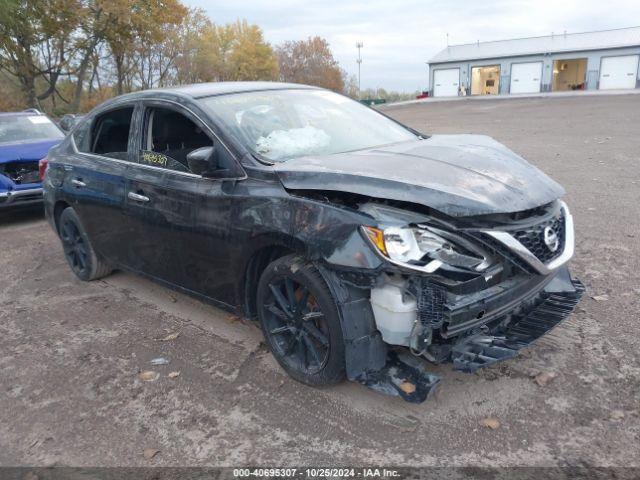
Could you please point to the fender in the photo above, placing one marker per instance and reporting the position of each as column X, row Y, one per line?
column 364, row 349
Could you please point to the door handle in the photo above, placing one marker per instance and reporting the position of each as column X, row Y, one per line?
column 78, row 183
column 138, row 198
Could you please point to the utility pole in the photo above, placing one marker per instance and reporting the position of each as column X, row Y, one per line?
column 359, row 45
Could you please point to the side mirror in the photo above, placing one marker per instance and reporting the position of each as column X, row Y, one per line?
column 65, row 124
column 202, row 161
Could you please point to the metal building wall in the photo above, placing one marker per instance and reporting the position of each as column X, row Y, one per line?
column 593, row 57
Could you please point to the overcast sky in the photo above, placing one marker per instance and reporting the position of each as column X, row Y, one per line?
column 400, row 36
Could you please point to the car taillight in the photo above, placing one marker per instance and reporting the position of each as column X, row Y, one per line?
column 42, row 167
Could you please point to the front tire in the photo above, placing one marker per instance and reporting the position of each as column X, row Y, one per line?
column 80, row 255
column 300, row 322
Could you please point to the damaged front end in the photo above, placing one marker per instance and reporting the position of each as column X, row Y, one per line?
column 472, row 291
column 19, row 183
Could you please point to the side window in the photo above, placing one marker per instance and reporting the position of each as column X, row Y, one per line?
column 110, row 133
column 169, row 137
column 82, row 137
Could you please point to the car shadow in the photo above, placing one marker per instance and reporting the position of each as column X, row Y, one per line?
column 22, row 215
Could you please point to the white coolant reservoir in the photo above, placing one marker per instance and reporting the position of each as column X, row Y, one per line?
column 394, row 314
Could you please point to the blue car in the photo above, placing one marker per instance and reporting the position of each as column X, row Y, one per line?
column 25, row 138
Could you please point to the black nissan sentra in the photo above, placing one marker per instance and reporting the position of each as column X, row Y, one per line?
column 362, row 247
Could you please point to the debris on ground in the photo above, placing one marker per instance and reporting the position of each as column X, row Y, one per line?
column 490, row 422
column 149, row 453
column 173, row 374
column 148, row 376
column 171, row 336
column 159, row 361
column 617, row 414
column 407, row 387
column 600, row 298
column 543, row 378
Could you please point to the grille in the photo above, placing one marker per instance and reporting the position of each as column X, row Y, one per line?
column 431, row 299
column 533, row 238
column 27, row 198
column 499, row 249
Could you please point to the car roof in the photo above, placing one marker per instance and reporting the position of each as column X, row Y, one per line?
column 25, row 113
column 198, row 90
column 201, row 90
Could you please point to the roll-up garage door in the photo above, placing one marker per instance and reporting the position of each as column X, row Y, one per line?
column 618, row 72
column 445, row 82
column 525, row 77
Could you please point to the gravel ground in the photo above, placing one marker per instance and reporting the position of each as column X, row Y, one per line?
column 71, row 352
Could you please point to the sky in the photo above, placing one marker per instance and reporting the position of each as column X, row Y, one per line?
column 400, row 36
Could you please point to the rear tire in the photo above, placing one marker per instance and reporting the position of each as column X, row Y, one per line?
column 300, row 321
column 80, row 255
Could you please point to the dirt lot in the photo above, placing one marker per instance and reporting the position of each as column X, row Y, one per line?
column 70, row 352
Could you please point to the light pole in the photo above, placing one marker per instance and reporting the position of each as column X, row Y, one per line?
column 359, row 45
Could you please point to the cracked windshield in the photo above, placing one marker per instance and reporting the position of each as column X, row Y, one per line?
column 283, row 124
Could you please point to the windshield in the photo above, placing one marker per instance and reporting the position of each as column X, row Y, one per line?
column 283, row 124
column 26, row 128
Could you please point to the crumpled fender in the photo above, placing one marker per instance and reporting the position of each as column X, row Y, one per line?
column 365, row 351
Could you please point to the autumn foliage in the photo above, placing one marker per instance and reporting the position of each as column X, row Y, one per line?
column 310, row 62
column 69, row 55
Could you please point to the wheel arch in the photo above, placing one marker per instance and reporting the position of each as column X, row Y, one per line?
column 265, row 250
column 58, row 208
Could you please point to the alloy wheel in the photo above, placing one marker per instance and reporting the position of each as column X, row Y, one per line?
column 296, row 325
column 75, row 248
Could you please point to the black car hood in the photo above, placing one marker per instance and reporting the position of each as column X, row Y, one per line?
column 458, row 175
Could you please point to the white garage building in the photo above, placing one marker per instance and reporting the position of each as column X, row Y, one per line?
column 579, row 61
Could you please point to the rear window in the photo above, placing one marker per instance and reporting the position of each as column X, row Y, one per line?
column 106, row 135
column 27, row 128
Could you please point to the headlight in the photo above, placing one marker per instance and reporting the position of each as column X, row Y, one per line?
column 423, row 249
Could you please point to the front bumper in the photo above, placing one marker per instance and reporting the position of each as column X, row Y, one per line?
column 551, row 306
column 499, row 339
column 19, row 198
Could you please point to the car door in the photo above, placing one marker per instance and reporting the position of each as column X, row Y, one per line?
column 181, row 219
column 94, row 179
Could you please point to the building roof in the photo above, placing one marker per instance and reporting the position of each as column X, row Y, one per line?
column 565, row 42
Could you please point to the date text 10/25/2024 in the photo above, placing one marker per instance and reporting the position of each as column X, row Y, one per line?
column 316, row 472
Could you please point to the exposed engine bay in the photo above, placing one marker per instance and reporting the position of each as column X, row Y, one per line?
column 462, row 292
column 20, row 172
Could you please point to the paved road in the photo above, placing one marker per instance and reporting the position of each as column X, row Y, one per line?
column 70, row 352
